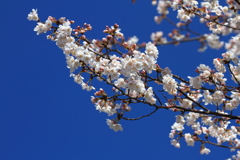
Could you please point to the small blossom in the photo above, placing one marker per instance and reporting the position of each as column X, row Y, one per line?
column 188, row 138
column 148, row 95
column 133, row 40
column 175, row 143
column 218, row 97
column 33, row 16
column 219, row 65
column 77, row 78
column 114, row 126
column 213, row 41
column 177, row 126
column 182, row 15
column 205, row 151
column 169, row 84
column 151, row 50
column 196, row 82
column 166, row 71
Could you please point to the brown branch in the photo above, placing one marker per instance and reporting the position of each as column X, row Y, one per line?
column 181, row 28
column 219, row 145
column 181, row 41
column 141, row 116
column 208, row 19
column 193, row 100
column 201, row 112
column 237, row 2
column 233, row 75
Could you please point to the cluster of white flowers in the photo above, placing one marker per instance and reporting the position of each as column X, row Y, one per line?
column 148, row 95
column 128, row 73
column 188, row 138
column 162, row 7
column 183, row 16
column 206, row 75
column 158, row 38
column 236, row 73
column 170, row 84
column 178, row 125
column 175, row 143
column 33, row 16
column 43, row 27
column 218, row 65
column 234, row 102
column 186, row 10
column 187, row 103
column 112, row 67
column 213, row 41
column 106, row 106
column 221, row 131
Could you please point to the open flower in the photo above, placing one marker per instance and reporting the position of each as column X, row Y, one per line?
column 114, row 126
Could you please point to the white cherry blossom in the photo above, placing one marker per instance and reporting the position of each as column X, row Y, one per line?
column 114, row 126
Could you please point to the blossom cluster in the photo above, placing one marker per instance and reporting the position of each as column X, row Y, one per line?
column 203, row 125
column 205, row 102
column 88, row 57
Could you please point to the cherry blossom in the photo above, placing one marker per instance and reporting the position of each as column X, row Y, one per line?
column 33, row 16
column 114, row 126
column 205, row 101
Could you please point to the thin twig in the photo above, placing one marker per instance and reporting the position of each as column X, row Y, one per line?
column 131, row 119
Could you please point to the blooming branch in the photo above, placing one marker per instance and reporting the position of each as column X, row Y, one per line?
column 206, row 103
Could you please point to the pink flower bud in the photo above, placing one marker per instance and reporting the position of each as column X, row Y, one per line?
column 116, row 26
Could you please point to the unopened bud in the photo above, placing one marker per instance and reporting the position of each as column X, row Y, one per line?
column 83, row 37
column 98, row 93
column 154, row 2
column 109, row 37
column 238, row 121
column 116, row 26
column 179, row 24
column 104, row 40
column 62, row 19
column 125, row 44
column 134, row 46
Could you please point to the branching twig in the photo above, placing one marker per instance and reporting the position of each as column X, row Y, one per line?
column 141, row 116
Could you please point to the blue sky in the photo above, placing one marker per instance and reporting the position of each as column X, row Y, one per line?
column 44, row 115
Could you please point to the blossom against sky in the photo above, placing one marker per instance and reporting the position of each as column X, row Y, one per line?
column 45, row 115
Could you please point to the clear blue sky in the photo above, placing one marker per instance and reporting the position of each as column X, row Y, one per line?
column 44, row 115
